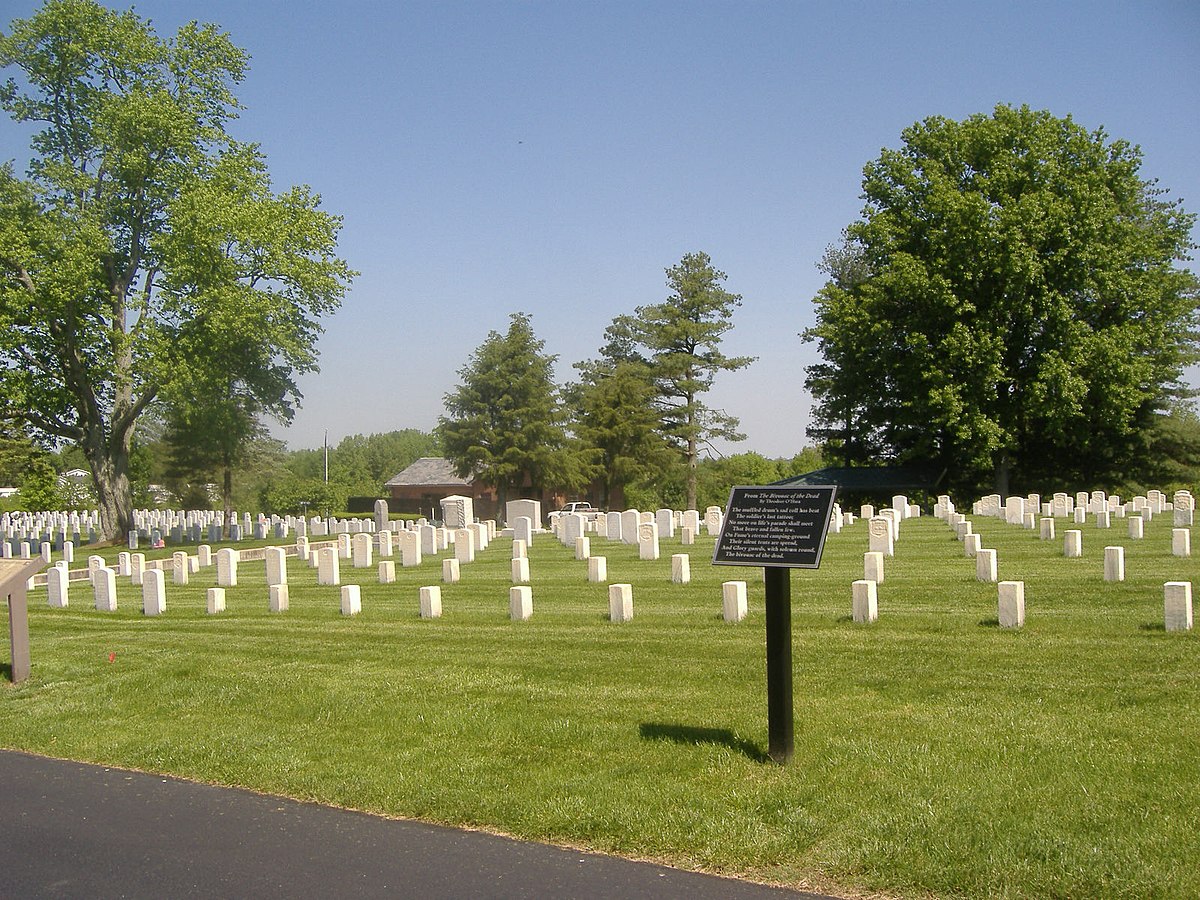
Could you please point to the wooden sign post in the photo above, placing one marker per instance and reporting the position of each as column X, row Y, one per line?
column 778, row 527
column 14, row 576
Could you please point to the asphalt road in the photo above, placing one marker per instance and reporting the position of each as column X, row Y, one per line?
column 73, row 830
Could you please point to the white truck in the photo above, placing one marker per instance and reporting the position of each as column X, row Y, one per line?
column 579, row 507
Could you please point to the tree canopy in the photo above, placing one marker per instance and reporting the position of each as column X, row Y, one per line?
column 1012, row 304
column 613, row 412
column 143, row 236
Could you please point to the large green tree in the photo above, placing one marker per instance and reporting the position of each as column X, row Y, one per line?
column 680, row 341
column 1012, row 304
column 139, row 225
column 504, row 421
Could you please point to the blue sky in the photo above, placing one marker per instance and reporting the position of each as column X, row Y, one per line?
column 555, row 157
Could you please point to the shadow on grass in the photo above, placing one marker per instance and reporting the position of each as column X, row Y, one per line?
column 6, row 672
column 1152, row 626
column 989, row 623
column 694, row 735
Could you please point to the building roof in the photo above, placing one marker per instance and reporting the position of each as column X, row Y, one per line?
column 432, row 471
column 874, row 478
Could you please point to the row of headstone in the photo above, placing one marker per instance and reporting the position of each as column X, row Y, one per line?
column 1096, row 506
column 628, row 527
column 54, row 527
column 1176, row 595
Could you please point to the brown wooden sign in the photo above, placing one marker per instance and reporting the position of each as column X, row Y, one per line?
column 14, row 576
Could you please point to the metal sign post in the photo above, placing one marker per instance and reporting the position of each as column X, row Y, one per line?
column 779, row 528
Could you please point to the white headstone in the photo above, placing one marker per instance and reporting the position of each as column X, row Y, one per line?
column 681, row 569
column 733, row 601
column 527, row 509
column 464, row 545
column 1072, row 544
column 520, row 570
column 985, row 565
column 1177, row 605
column 613, row 526
column 216, row 601
column 881, row 540
column 665, row 519
column 410, row 548
column 1181, row 542
column 104, row 589
column 58, row 579
column 1011, row 605
column 351, row 600
column 520, row 603
column 457, row 512
column 620, row 602
column 431, row 602
column 361, row 547
column 647, row 541
column 1114, row 563
column 179, row 567
column 630, row 519
column 227, row 566
column 276, row 560
column 873, row 567
column 278, row 597
column 387, row 571
column 329, row 566
column 450, row 571
column 154, row 592
column 865, row 601
column 597, row 569
column 523, row 530
column 428, row 535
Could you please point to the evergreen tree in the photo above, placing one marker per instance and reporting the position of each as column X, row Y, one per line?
column 504, row 422
column 681, row 339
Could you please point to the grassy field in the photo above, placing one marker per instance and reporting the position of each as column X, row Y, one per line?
column 936, row 754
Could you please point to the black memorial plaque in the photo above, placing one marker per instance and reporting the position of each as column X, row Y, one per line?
column 781, row 526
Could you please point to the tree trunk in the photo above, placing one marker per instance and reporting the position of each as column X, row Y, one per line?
column 110, row 473
column 501, row 499
column 227, row 496
column 1003, row 467
column 691, row 473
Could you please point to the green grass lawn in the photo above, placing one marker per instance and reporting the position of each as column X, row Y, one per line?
column 936, row 754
